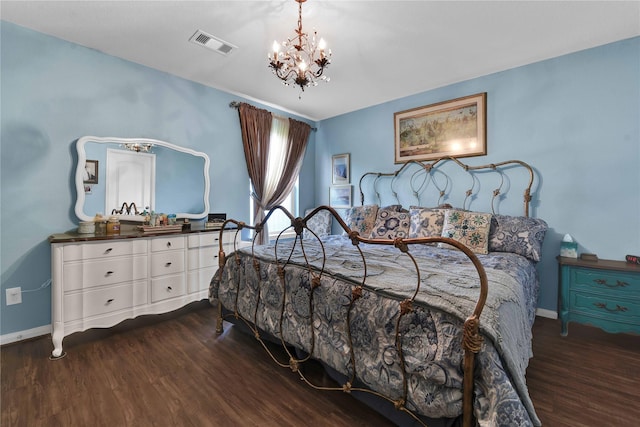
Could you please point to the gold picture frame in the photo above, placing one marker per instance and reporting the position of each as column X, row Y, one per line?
column 456, row 128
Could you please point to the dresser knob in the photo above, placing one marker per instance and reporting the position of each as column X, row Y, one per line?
column 168, row 244
column 169, row 288
column 109, row 273
column 108, row 250
column 109, row 301
column 167, row 264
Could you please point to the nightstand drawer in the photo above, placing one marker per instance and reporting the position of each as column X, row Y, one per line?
column 612, row 283
column 605, row 307
column 602, row 293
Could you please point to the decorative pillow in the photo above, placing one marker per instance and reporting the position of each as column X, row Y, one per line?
column 361, row 218
column 320, row 223
column 468, row 228
column 394, row 208
column 425, row 222
column 391, row 225
column 517, row 234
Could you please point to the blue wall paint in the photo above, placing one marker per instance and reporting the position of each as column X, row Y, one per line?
column 574, row 118
column 54, row 92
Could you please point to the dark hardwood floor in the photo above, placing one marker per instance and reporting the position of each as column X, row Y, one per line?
column 173, row 370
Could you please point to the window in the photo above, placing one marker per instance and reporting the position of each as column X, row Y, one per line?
column 279, row 221
column 275, row 165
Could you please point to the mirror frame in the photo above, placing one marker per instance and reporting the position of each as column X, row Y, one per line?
column 82, row 157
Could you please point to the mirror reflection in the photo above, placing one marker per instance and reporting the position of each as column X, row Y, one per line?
column 128, row 175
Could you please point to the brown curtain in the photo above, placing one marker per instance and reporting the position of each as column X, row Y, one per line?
column 255, row 125
column 296, row 147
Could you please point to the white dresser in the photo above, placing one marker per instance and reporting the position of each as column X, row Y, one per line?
column 99, row 281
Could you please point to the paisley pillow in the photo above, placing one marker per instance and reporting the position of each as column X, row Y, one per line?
column 320, row 223
column 425, row 222
column 517, row 234
column 469, row 228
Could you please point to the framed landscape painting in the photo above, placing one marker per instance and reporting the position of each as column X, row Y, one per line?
column 456, row 128
column 340, row 196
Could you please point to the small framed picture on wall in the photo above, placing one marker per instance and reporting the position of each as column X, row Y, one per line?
column 91, row 172
column 340, row 169
column 340, row 196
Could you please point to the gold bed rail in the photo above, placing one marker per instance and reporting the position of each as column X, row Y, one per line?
column 471, row 338
column 431, row 167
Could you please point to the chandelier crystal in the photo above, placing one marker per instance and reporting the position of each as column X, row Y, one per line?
column 303, row 60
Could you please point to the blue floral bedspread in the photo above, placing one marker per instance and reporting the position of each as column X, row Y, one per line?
column 431, row 333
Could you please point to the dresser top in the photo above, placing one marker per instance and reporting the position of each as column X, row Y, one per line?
column 74, row 236
column 603, row 264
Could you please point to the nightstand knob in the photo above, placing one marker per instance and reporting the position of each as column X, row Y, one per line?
column 611, row 310
column 619, row 283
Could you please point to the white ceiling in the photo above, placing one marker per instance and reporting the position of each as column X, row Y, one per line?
column 382, row 50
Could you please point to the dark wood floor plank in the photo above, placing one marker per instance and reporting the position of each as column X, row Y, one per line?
column 175, row 370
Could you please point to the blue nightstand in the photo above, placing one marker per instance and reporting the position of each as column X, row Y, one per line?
column 602, row 293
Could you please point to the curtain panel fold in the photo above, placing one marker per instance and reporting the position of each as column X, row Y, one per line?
column 255, row 125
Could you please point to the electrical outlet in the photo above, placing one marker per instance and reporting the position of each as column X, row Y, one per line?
column 14, row 296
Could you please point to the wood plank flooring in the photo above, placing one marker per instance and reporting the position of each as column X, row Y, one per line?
column 173, row 370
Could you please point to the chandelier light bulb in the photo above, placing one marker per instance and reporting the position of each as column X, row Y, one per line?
column 303, row 61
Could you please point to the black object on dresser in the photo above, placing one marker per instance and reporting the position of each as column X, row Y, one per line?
column 602, row 293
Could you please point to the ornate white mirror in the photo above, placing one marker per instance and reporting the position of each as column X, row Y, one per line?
column 123, row 175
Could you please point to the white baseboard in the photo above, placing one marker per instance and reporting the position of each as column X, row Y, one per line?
column 23, row 335
column 543, row 312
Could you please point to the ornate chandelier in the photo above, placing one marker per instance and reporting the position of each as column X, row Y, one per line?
column 303, row 61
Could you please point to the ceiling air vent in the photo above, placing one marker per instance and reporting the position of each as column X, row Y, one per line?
column 210, row 42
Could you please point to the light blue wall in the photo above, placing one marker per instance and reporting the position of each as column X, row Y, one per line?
column 574, row 118
column 54, row 92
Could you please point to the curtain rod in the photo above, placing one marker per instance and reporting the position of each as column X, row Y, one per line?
column 236, row 105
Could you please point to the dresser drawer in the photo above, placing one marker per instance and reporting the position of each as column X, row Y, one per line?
column 198, row 280
column 616, row 283
column 203, row 257
column 80, row 275
column 204, row 239
column 85, row 251
column 167, row 243
column 606, row 307
column 168, row 262
column 85, row 304
column 167, row 287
